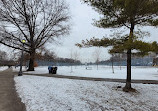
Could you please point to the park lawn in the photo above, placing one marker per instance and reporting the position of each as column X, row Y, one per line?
column 138, row 72
column 56, row 94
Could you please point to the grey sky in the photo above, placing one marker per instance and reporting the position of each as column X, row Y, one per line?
column 82, row 28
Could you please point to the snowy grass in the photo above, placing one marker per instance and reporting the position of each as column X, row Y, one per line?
column 143, row 73
column 2, row 68
column 54, row 94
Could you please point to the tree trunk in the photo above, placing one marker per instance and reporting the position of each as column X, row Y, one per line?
column 31, row 62
column 128, row 87
column 120, row 61
column 112, row 63
column 128, row 79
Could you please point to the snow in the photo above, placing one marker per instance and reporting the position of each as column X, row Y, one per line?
column 2, row 68
column 56, row 94
column 138, row 72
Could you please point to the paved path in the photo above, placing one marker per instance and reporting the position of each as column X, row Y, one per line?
column 95, row 79
column 9, row 100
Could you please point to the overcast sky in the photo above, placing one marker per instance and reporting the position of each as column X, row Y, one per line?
column 81, row 19
column 82, row 28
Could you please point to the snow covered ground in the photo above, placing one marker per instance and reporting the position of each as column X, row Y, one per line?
column 143, row 73
column 2, row 68
column 56, row 94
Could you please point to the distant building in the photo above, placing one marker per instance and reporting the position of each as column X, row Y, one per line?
column 149, row 60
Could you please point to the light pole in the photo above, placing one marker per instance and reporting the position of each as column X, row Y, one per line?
column 21, row 60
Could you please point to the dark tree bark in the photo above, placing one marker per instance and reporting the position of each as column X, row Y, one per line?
column 128, row 79
column 31, row 61
column 112, row 63
column 120, row 60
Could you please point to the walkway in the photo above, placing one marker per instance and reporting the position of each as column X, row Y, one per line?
column 9, row 100
column 95, row 79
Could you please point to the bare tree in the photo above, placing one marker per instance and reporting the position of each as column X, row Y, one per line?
column 71, row 56
column 76, row 56
column 36, row 21
column 96, row 55
column 120, row 56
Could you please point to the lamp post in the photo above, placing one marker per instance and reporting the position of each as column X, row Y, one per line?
column 21, row 60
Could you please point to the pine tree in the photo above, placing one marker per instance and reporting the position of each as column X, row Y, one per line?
column 127, row 13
